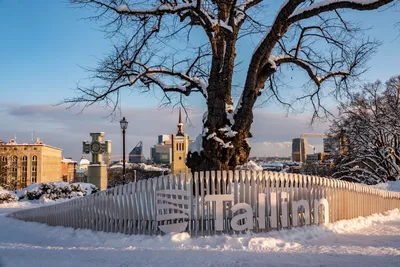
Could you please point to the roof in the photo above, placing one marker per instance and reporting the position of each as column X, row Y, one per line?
column 24, row 144
column 64, row 160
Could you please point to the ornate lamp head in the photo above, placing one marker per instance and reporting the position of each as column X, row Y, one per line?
column 123, row 123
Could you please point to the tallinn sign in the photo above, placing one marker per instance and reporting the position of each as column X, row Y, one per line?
column 242, row 221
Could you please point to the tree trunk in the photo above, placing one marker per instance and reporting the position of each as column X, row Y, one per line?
column 223, row 148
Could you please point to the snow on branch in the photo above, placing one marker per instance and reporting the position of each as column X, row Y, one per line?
column 220, row 141
column 188, row 8
column 153, row 75
column 330, row 5
column 308, row 67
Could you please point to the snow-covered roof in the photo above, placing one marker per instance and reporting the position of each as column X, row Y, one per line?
column 251, row 165
column 64, row 160
column 272, row 164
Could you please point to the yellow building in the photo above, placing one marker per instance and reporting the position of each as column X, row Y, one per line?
column 180, row 148
column 24, row 164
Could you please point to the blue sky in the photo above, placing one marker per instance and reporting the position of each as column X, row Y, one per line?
column 44, row 43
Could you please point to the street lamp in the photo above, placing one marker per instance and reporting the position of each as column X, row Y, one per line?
column 124, row 126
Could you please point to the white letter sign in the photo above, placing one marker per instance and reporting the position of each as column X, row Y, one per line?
column 248, row 215
column 219, row 200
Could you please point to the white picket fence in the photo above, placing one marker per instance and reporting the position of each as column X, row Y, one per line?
column 178, row 203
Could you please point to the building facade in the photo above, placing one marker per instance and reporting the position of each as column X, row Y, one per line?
column 136, row 155
column 68, row 170
column 24, row 164
column 161, row 153
column 316, row 157
column 299, row 149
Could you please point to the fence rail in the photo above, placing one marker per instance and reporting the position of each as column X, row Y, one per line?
column 209, row 203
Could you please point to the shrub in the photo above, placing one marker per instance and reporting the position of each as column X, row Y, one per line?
column 7, row 196
column 57, row 190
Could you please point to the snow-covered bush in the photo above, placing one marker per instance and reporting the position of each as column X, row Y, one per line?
column 7, row 196
column 56, row 190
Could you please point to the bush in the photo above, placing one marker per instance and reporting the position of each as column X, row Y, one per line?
column 7, row 196
column 57, row 190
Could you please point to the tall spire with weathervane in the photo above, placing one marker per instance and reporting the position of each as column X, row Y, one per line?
column 180, row 125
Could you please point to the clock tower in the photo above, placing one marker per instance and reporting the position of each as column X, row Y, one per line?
column 97, row 170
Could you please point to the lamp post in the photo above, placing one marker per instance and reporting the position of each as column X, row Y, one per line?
column 124, row 126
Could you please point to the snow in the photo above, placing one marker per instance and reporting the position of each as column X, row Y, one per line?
column 146, row 167
column 328, row 2
column 122, row 8
column 64, row 160
column 55, row 191
column 219, row 140
column 228, row 131
column 7, row 196
column 369, row 241
column 162, row 7
column 251, row 165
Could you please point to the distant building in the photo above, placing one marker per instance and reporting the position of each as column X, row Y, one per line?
column 316, row 157
column 25, row 164
column 83, row 164
column 164, row 139
column 299, row 149
column 161, row 153
column 180, row 148
column 136, row 155
column 272, row 166
column 68, row 169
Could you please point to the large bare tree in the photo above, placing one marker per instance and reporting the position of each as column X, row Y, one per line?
column 312, row 36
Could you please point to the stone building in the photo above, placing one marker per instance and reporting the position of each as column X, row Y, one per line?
column 68, row 170
column 24, row 164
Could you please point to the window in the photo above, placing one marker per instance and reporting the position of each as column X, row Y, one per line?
column 14, row 169
column 34, row 169
column 24, row 171
column 179, row 146
column 3, row 169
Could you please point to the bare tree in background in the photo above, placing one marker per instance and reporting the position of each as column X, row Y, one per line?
column 311, row 36
column 369, row 127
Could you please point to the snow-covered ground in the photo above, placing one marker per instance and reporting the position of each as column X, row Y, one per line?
column 370, row 241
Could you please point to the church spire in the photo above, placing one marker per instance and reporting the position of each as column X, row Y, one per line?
column 180, row 124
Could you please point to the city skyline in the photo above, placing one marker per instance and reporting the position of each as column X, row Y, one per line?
column 71, row 129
